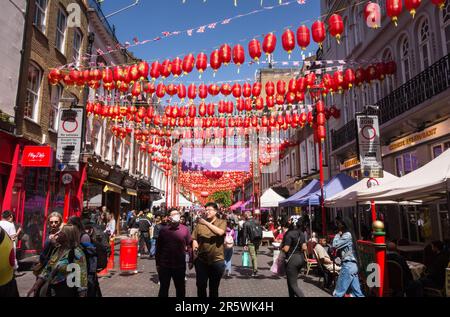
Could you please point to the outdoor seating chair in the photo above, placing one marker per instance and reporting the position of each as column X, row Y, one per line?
column 325, row 273
column 395, row 279
column 310, row 260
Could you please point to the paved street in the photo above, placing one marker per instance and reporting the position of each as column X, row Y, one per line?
column 145, row 284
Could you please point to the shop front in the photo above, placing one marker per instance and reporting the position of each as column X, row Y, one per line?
column 130, row 193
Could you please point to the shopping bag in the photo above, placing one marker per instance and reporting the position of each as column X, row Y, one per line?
column 245, row 259
column 278, row 266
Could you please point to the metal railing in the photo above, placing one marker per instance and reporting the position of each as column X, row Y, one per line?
column 97, row 7
column 429, row 83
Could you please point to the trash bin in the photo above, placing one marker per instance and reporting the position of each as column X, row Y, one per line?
column 128, row 255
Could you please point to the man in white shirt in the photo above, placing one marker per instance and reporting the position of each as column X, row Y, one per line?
column 7, row 224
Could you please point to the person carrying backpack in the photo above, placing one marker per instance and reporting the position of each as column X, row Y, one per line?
column 252, row 236
column 228, row 248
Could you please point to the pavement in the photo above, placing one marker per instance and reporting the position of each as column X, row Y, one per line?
column 241, row 284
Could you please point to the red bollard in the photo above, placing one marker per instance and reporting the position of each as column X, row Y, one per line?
column 128, row 255
column 380, row 252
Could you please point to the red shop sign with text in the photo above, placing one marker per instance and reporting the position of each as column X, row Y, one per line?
column 37, row 156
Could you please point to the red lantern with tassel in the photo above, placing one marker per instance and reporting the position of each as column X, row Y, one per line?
column 292, row 86
column 215, row 60
column 393, row 9
column 225, row 89
column 213, row 90
column 359, row 76
column 301, row 84
column 160, row 90
column 155, row 70
column 143, row 69
column 391, row 68
column 412, row 6
column 256, row 89
column 192, row 111
column 230, row 107
column 177, row 70
column 166, row 68
column 246, row 90
column 318, row 32
column 211, row 109
column 203, row 91
column 238, row 55
column 303, row 37
column 225, row 54
column 188, row 63
column 338, row 79
column 254, row 49
column 240, row 104
column 269, row 43
column 202, row 62
column 202, row 109
column 349, row 77
column 237, row 91
column 439, row 3
column 259, row 103
column 270, row 88
column 181, row 92
column 279, row 99
column 288, row 41
column 336, row 26
column 372, row 15
column 310, row 80
column 192, row 92
column 248, row 104
column 281, row 87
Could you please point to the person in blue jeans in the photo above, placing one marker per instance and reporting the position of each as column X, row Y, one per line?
column 348, row 280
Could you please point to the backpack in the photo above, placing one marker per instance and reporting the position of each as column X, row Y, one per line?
column 255, row 232
column 103, row 249
column 229, row 241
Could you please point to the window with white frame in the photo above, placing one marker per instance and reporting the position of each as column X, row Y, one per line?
column 376, row 92
column 40, row 15
column 77, row 40
column 61, row 27
column 57, row 92
column 126, row 163
column 293, row 163
column 108, row 147
column 446, row 26
column 303, row 159
column 97, row 135
column 389, row 81
column 405, row 59
column 406, row 163
column 424, row 44
column 33, row 91
column 118, row 152
column 438, row 149
column 346, row 109
column 312, row 160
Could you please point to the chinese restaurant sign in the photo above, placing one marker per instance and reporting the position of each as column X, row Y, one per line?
column 37, row 156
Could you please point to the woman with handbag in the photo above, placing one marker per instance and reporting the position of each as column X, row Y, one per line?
column 293, row 245
column 57, row 279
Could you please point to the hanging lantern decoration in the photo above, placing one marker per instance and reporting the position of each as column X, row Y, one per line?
column 203, row 91
column 211, row 109
column 288, row 41
column 188, row 63
column 136, row 90
column 240, row 104
column 349, row 78
column 238, row 55
column 303, row 37
column 370, row 74
column 221, row 106
column 166, row 68
column 192, row 92
column 213, row 89
column 177, row 70
column 171, row 90
column 237, row 91
column 192, row 111
column 202, row 63
column 247, row 90
column 318, row 32
column 134, row 73
column 391, row 68
column 439, row 3
column 254, row 49
column 143, row 69
column 256, row 89
column 292, row 86
column 301, row 84
column 336, row 26
column 291, row 98
column 310, row 80
column 225, row 54
column 118, row 73
column 226, row 89
column 155, row 70
column 338, row 80
column 380, row 71
column 359, row 76
column 259, row 103
column 230, row 107
column 281, row 87
column 321, row 133
column 393, row 9
column 412, row 6
column 269, row 43
column 372, row 15
column 55, row 76
column 248, row 104
column 181, row 92
column 279, row 99
column 270, row 88
column 310, row 118
column 215, row 61
column 160, row 90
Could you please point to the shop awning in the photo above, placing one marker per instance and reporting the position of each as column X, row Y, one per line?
column 294, row 200
column 131, row 192
column 334, row 186
column 112, row 188
column 430, row 182
column 270, row 198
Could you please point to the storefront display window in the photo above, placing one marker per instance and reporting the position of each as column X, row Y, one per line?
column 406, row 163
column 440, row 148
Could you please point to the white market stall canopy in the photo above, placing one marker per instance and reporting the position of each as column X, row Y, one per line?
column 348, row 197
column 270, row 199
column 430, row 182
column 96, row 201
column 182, row 202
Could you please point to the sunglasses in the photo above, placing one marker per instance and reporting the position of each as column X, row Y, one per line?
column 54, row 222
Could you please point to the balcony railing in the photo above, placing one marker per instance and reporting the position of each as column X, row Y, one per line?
column 429, row 83
column 97, row 7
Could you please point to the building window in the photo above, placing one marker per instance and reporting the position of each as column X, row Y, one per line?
column 389, row 81
column 424, row 44
column 97, row 137
column 404, row 53
column 376, row 92
column 54, row 107
column 118, row 153
column 293, row 164
column 108, row 147
column 406, row 163
column 438, row 149
column 61, row 26
column 303, row 159
column 446, row 22
column 39, row 15
column 33, row 90
column 77, row 39
column 312, row 161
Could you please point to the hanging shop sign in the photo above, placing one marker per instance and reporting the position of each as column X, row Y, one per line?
column 434, row 132
column 70, row 130
column 98, row 170
column 369, row 146
column 129, row 182
column 37, row 156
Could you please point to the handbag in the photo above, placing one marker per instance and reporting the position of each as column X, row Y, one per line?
column 278, row 266
column 245, row 259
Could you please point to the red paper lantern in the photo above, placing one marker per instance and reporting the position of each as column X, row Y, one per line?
column 321, row 133
column 202, row 62
column 181, row 91
column 291, row 98
column 259, row 103
column 256, row 89
column 215, row 60
column 412, row 6
column 213, row 90
column 136, row 90
column 320, row 106
column 118, row 73
column 338, row 79
column 192, row 111
column 310, row 80
column 301, row 84
column 439, row 3
column 166, row 68
column 238, row 55
column 248, row 104
column 270, row 88
column 202, row 109
column 336, row 26
column 359, row 76
column 211, row 109
column 254, row 49
column 281, row 87
column 226, row 89
column 303, row 37
column 310, row 118
column 192, row 92
column 134, row 73
column 240, row 104
column 188, row 63
column 279, row 99
column 380, row 71
column 143, row 69
column 288, row 41
column 318, row 32
column 176, row 67
column 237, row 91
column 160, row 90
column 225, row 54
column 292, row 86
column 230, row 107
column 247, row 90
column 391, row 68
column 203, row 91
column 270, row 101
column 55, row 76
column 393, row 9
column 155, row 70
column 269, row 43
column 349, row 77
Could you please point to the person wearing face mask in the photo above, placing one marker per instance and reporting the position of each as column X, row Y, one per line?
column 174, row 241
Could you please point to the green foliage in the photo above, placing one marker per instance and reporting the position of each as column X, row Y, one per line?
column 222, row 198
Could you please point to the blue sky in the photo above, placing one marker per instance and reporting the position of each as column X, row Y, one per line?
column 152, row 17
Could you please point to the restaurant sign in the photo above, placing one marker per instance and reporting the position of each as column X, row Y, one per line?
column 37, row 156
column 433, row 132
column 354, row 161
column 369, row 146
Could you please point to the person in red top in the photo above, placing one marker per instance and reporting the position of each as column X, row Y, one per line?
column 280, row 236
